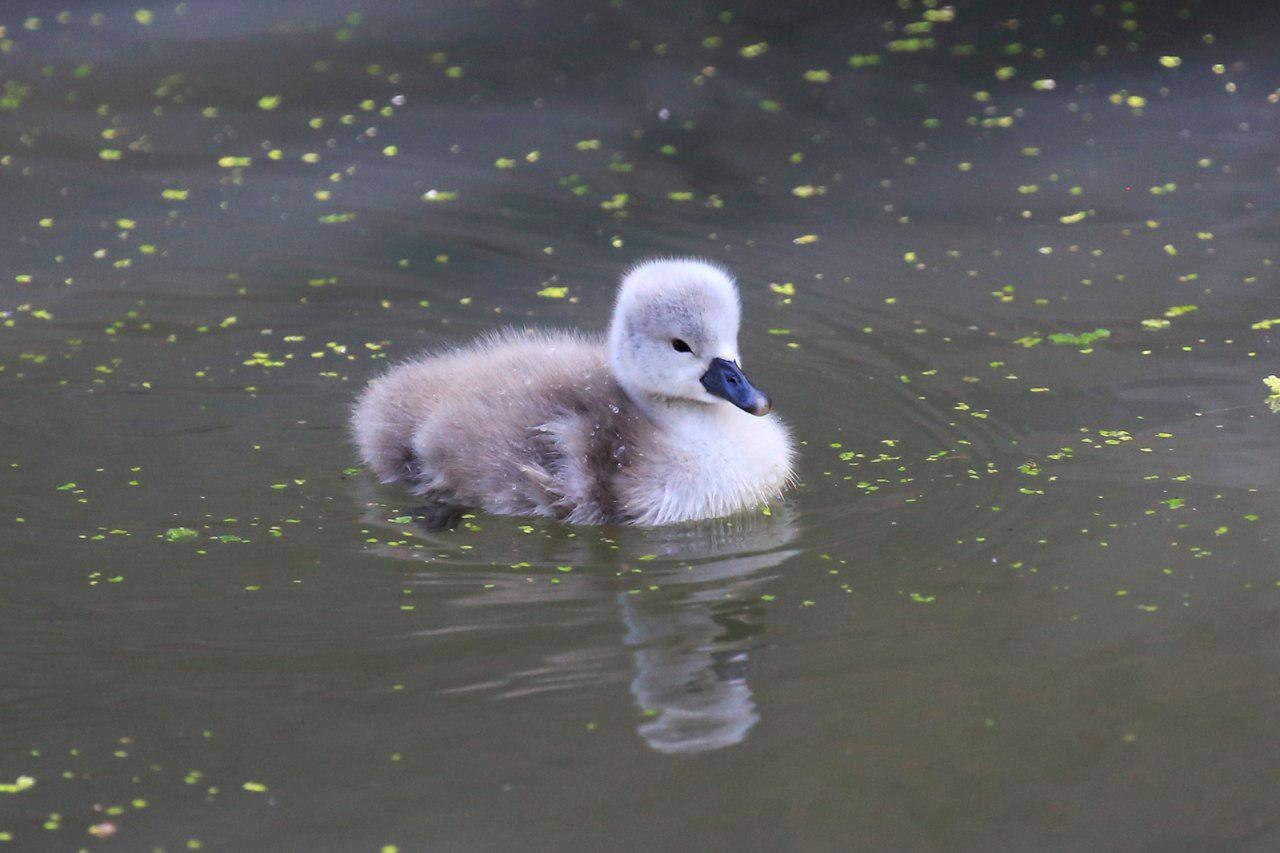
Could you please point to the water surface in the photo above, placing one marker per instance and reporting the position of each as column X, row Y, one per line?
column 1007, row 270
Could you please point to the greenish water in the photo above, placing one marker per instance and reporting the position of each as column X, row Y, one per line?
column 1007, row 269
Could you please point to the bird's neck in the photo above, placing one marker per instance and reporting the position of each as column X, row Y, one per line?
column 689, row 423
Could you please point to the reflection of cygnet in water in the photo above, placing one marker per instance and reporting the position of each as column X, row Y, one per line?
column 691, row 653
column 689, row 638
column 699, row 693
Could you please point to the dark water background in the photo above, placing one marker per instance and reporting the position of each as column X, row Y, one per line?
column 1027, row 595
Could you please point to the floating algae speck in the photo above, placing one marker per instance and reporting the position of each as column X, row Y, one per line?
column 1273, row 399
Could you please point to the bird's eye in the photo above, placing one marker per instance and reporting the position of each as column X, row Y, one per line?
column 679, row 345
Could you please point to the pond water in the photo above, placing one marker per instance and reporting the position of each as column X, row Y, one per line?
column 1008, row 270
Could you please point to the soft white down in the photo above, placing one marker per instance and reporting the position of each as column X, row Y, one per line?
column 655, row 424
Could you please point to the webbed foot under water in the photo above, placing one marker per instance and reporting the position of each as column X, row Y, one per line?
column 654, row 423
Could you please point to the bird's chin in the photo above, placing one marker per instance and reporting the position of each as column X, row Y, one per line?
column 719, row 405
column 758, row 407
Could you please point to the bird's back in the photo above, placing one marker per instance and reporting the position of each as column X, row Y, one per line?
column 521, row 422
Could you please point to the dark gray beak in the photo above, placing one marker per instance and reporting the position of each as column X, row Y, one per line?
column 726, row 380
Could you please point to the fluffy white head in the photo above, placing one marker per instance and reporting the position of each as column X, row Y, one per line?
column 671, row 319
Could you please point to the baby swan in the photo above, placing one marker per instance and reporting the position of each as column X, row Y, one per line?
column 651, row 425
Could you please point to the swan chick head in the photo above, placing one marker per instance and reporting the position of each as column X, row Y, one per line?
column 674, row 336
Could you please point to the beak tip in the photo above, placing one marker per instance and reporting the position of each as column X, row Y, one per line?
column 762, row 407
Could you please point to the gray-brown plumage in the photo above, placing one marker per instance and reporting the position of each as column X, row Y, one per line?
column 580, row 428
column 521, row 423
